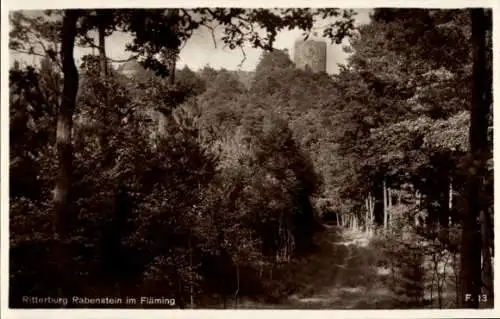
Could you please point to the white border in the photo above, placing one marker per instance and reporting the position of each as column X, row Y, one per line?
column 81, row 313
column 27, row 4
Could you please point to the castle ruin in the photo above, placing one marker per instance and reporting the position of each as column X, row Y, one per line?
column 310, row 54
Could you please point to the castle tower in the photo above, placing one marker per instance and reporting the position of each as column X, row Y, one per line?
column 310, row 54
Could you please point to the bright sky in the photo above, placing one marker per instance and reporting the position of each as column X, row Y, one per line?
column 200, row 49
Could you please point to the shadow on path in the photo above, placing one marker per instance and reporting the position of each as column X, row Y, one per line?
column 341, row 274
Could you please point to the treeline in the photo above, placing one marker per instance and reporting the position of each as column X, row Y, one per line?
column 413, row 148
column 201, row 187
column 391, row 135
column 115, row 188
column 164, row 203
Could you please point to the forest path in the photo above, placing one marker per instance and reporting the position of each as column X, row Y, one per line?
column 342, row 274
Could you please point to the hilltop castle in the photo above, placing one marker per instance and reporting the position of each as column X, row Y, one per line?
column 310, row 54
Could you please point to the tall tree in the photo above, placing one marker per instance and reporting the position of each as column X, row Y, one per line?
column 470, row 272
column 65, row 120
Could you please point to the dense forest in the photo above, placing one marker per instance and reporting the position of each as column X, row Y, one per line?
column 221, row 189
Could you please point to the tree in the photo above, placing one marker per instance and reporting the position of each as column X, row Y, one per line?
column 403, row 82
column 470, row 27
column 221, row 105
column 172, row 27
column 33, row 107
column 257, row 27
column 189, row 79
column 65, row 121
column 419, row 108
column 105, row 22
column 471, row 279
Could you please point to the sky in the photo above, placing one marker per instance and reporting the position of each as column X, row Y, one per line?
column 200, row 50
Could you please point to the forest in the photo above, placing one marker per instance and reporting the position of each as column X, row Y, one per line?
column 279, row 188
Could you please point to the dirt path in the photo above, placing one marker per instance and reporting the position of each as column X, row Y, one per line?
column 345, row 272
column 342, row 274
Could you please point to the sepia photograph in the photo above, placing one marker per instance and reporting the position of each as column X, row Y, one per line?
column 250, row 158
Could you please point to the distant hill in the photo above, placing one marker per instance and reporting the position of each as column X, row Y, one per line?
column 133, row 67
column 244, row 77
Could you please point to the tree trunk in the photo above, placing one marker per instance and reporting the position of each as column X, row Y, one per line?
column 102, row 46
column 370, row 212
column 486, row 238
column 65, row 124
column 389, row 197
column 385, row 205
column 456, row 279
column 169, row 58
column 180, row 292
column 63, row 215
column 367, row 214
column 450, row 196
column 191, row 284
column 109, row 155
column 470, row 272
column 487, row 228
column 389, row 207
column 172, row 72
column 452, row 216
column 237, row 285
column 444, row 208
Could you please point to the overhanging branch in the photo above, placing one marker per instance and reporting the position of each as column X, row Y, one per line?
column 244, row 57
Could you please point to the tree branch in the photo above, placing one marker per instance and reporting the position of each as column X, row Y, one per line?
column 50, row 54
column 28, row 52
column 212, row 33
column 244, row 57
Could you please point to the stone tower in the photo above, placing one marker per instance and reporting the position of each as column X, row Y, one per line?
column 310, row 54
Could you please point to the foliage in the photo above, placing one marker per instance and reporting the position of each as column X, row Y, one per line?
column 204, row 187
column 140, row 220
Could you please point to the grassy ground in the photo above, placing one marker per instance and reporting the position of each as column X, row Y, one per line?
column 341, row 274
column 349, row 270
